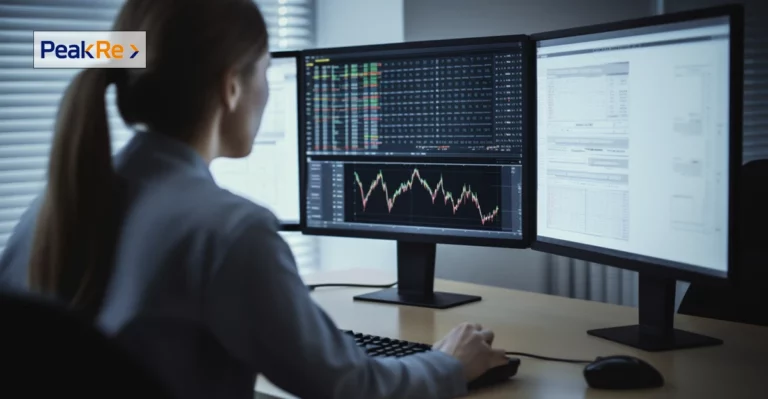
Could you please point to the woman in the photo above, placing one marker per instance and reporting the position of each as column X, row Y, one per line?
column 197, row 279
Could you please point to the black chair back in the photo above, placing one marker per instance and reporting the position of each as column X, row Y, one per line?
column 50, row 351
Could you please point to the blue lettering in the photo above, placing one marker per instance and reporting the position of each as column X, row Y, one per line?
column 74, row 51
column 46, row 46
column 61, row 51
column 86, row 50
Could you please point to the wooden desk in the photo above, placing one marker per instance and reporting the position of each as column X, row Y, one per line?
column 556, row 326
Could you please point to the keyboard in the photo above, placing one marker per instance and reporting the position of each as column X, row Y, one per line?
column 376, row 346
column 387, row 347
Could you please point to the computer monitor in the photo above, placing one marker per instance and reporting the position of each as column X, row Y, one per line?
column 420, row 142
column 638, row 147
column 270, row 175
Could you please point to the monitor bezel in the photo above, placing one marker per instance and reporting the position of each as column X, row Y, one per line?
column 524, row 242
column 291, row 226
column 648, row 265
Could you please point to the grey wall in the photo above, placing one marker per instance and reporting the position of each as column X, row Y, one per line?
column 522, row 269
column 444, row 19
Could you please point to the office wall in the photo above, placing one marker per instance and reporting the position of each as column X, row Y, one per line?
column 359, row 22
column 443, row 19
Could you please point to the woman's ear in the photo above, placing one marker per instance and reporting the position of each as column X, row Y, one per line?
column 232, row 90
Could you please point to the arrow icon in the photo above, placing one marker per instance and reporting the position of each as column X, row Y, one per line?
column 135, row 51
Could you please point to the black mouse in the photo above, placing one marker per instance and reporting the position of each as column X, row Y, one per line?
column 495, row 375
column 622, row 372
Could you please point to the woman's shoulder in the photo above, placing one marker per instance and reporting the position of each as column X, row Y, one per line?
column 219, row 206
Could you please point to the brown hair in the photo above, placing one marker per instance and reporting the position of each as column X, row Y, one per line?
column 191, row 44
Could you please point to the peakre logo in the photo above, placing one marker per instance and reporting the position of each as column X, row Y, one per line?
column 90, row 49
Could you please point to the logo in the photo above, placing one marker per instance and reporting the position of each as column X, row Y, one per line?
column 90, row 49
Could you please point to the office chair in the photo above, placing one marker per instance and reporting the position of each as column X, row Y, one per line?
column 746, row 299
column 64, row 355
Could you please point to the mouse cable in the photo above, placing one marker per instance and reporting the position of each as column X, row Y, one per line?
column 313, row 286
column 552, row 359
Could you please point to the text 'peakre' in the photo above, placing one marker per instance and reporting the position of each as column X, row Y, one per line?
column 90, row 49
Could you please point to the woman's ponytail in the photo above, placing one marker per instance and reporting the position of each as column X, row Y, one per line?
column 74, row 241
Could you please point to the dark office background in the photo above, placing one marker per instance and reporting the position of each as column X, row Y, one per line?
column 28, row 101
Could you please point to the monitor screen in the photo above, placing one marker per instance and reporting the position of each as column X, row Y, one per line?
column 416, row 140
column 633, row 143
column 269, row 176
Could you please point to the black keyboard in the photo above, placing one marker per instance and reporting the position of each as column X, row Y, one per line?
column 387, row 347
column 377, row 346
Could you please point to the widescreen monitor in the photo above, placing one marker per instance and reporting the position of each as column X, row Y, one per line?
column 421, row 142
column 638, row 145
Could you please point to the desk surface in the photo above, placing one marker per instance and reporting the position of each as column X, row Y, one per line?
column 555, row 326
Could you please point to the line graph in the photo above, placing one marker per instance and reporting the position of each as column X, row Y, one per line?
column 465, row 196
column 451, row 196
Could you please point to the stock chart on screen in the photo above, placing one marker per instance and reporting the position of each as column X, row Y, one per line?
column 421, row 195
column 416, row 140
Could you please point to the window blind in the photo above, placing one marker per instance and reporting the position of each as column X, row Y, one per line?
column 755, row 70
column 29, row 98
column 290, row 23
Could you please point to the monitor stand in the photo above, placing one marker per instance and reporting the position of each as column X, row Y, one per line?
column 655, row 333
column 416, row 281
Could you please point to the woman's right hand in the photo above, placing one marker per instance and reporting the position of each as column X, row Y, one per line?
column 471, row 345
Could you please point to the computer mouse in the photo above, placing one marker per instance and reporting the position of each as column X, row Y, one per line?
column 496, row 375
column 622, row 372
